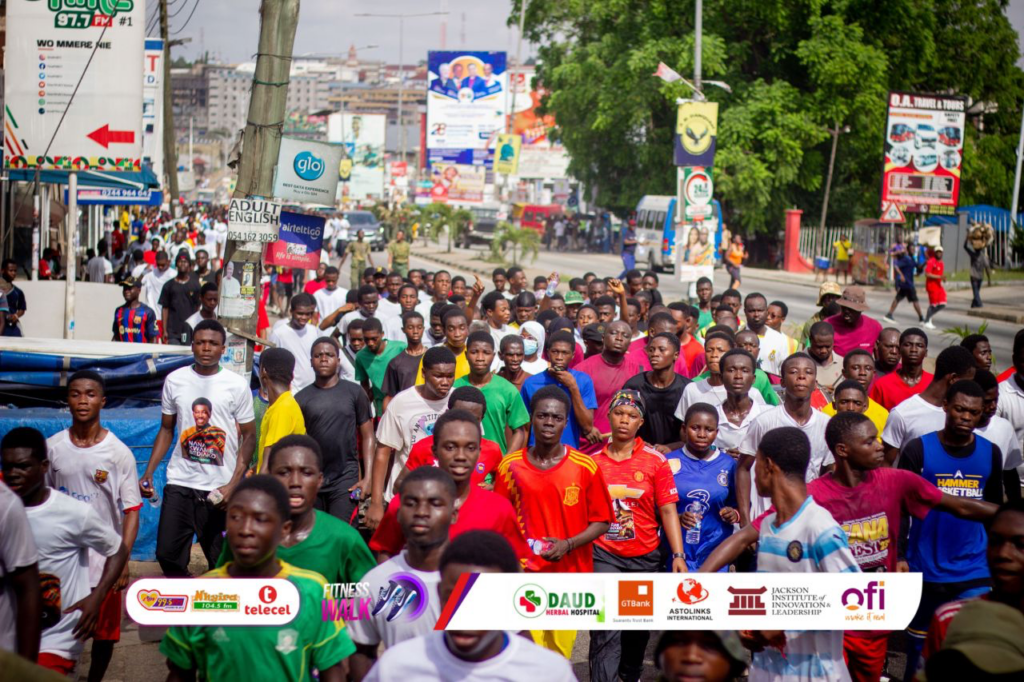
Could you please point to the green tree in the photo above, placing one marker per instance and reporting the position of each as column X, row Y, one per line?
column 517, row 242
column 437, row 219
column 796, row 68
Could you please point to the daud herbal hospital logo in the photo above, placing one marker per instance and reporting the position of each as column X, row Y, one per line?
column 530, row 601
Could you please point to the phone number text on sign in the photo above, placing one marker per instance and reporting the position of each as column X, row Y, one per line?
column 254, row 220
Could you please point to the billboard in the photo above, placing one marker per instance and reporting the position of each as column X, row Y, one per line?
column 924, row 143
column 307, row 171
column 299, row 241
column 466, row 102
column 153, row 105
column 540, row 156
column 49, row 46
column 457, row 183
column 362, row 135
column 696, row 134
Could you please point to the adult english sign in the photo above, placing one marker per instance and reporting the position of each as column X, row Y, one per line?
column 51, row 46
column 307, row 171
column 254, row 219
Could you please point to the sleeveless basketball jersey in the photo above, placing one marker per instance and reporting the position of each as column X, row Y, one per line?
column 945, row 548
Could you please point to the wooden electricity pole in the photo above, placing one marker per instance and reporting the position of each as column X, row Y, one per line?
column 261, row 142
column 170, row 139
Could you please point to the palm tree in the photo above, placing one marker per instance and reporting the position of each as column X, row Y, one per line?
column 436, row 218
column 522, row 241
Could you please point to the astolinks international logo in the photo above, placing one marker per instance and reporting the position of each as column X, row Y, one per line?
column 308, row 166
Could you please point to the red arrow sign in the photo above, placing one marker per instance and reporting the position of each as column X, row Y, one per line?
column 105, row 136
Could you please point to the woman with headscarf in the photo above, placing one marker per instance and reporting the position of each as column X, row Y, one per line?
column 533, row 343
column 643, row 498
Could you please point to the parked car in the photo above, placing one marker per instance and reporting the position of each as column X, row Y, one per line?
column 925, row 136
column 901, row 132
column 950, row 136
column 373, row 231
column 481, row 230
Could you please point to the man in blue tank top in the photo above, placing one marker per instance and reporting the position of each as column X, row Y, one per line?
column 948, row 551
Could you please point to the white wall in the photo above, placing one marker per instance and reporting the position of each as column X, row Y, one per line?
column 94, row 309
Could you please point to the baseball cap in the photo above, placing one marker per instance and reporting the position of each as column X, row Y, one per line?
column 854, row 298
column 131, row 282
column 988, row 635
column 593, row 332
column 829, row 289
column 573, row 298
column 938, row 248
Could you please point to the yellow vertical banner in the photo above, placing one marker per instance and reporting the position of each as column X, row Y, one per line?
column 506, row 158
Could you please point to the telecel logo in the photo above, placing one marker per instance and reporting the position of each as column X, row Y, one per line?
column 308, row 166
column 853, row 599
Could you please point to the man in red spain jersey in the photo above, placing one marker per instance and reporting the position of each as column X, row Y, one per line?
column 560, row 498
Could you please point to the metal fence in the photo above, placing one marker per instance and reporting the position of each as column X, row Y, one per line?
column 1001, row 252
column 818, row 243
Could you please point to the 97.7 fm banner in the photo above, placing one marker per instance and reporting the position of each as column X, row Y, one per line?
column 924, row 142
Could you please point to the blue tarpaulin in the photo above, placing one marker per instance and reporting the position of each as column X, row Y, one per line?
column 137, row 428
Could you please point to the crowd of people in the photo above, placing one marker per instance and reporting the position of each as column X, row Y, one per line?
column 420, row 424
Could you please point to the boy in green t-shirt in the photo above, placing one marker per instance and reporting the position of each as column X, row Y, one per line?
column 372, row 361
column 257, row 519
column 505, row 406
column 317, row 541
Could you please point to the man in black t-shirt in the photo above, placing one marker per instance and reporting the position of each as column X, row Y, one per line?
column 661, row 389
column 336, row 412
column 402, row 369
column 180, row 299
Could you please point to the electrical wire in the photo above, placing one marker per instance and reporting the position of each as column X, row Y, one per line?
column 183, row 26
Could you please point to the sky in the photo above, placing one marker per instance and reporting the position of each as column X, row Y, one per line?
column 229, row 29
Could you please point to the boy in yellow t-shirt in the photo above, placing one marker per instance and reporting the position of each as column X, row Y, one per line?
column 843, row 247
column 283, row 417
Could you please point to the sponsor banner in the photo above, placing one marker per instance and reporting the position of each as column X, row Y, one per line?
column 457, row 183
column 696, row 134
column 697, row 190
column 362, row 168
column 212, row 601
column 466, row 98
column 254, row 219
column 307, row 171
column 924, row 146
column 544, row 162
column 705, row 601
column 466, row 157
column 49, row 47
column 299, row 241
column 507, row 161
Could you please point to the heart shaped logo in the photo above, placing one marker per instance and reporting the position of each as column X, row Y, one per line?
column 148, row 598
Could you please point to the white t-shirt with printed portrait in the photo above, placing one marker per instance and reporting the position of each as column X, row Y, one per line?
column 104, row 476
column 204, row 457
column 65, row 530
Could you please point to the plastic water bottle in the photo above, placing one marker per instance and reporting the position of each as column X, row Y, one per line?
column 154, row 501
column 693, row 534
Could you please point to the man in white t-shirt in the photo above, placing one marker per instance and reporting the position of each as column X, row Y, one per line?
column 209, row 407
column 1011, row 389
column 65, row 530
column 799, row 377
column 798, row 537
column 367, row 300
column 923, row 413
column 774, row 345
column 404, row 588
column 153, row 282
column 20, row 594
column 99, row 268
column 90, row 464
column 330, row 298
column 409, row 418
column 472, row 655
column 297, row 336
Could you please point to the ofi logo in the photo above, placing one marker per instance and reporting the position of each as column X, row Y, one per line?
column 853, row 599
column 309, row 167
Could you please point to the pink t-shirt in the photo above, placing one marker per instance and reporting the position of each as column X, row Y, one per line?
column 861, row 335
column 608, row 379
column 870, row 513
column 691, row 356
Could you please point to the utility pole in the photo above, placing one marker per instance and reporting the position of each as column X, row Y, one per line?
column 170, row 140
column 519, row 64
column 1014, row 205
column 698, row 30
column 261, row 143
column 835, row 132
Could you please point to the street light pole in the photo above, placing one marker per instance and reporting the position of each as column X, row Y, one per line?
column 698, row 30
column 831, row 164
column 1014, row 205
column 519, row 64
column 401, row 66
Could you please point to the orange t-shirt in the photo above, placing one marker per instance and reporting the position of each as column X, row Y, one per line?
column 557, row 503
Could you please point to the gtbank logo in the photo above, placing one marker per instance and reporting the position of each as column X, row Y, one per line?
column 309, row 167
column 854, row 599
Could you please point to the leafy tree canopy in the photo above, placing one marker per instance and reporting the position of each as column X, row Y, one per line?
column 797, row 69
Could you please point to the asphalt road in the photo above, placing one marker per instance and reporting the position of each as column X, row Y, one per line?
column 798, row 295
